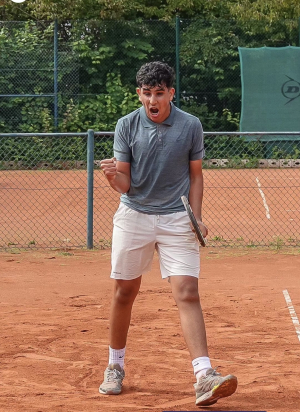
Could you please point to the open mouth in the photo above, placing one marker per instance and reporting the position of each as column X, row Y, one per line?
column 154, row 111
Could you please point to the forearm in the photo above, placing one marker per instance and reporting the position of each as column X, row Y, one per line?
column 117, row 174
column 119, row 182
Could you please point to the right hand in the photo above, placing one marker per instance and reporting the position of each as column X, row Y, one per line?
column 109, row 167
column 203, row 228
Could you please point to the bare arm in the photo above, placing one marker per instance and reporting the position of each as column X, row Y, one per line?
column 196, row 192
column 117, row 173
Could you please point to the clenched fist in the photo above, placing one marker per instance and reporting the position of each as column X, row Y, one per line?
column 109, row 167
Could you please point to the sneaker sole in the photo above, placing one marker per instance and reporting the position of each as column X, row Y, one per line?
column 226, row 388
column 110, row 392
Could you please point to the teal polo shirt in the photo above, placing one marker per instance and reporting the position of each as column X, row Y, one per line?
column 159, row 155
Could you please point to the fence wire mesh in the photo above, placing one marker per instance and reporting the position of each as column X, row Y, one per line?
column 78, row 75
column 39, row 77
column 74, row 75
column 251, row 190
column 43, row 191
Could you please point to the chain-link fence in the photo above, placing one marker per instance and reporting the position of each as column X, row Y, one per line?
column 76, row 75
column 252, row 186
column 53, row 194
column 39, row 77
column 43, row 191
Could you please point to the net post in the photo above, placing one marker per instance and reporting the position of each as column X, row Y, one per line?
column 55, row 86
column 90, row 187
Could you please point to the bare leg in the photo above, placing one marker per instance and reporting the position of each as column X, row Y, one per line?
column 125, row 292
column 185, row 292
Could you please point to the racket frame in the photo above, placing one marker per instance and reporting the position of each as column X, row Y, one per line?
column 193, row 220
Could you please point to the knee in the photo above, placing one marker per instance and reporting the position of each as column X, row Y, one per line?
column 187, row 293
column 125, row 293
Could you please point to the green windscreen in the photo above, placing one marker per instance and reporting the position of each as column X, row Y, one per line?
column 270, row 89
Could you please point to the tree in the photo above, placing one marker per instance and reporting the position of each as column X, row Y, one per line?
column 107, row 9
column 266, row 10
column 102, row 38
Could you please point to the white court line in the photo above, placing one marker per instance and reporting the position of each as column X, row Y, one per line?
column 263, row 198
column 293, row 314
column 289, row 178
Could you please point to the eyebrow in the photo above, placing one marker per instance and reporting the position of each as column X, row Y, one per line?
column 159, row 88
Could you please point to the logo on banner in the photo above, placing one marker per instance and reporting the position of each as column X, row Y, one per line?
column 290, row 89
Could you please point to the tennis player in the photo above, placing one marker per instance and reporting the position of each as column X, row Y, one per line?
column 158, row 153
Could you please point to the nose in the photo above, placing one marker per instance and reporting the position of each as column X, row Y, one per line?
column 153, row 99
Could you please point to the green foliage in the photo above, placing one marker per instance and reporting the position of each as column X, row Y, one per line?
column 100, row 112
column 210, row 66
column 285, row 150
column 103, row 148
column 97, row 64
column 210, row 69
column 68, row 9
column 32, row 151
column 106, row 9
column 35, row 114
column 270, row 11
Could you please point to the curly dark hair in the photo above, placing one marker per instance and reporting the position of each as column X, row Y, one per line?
column 155, row 74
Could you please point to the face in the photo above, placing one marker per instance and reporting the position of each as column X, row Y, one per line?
column 156, row 101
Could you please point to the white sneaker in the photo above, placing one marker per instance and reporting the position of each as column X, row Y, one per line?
column 210, row 388
column 113, row 380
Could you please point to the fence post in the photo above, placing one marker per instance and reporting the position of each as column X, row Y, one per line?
column 90, row 187
column 177, row 62
column 55, row 77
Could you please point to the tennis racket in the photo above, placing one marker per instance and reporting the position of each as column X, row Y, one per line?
column 193, row 220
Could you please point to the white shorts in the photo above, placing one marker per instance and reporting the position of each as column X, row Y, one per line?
column 137, row 235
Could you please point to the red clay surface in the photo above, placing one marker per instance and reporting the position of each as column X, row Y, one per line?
column 49, row 208
column 253, row 205
column 54, row 333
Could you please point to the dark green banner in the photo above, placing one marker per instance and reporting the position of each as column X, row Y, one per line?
column 270, row 89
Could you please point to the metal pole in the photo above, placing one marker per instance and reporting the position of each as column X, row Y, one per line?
column 90, row 187
column 299, row 31
column 55, row 75
column 177, row 62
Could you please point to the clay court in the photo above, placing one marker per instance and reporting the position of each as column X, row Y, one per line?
column 55, row 301
column 48, row 208
column 54, row 333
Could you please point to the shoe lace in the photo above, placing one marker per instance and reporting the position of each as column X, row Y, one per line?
column 112, row 375
column 212, row 378
column 214, row 372
column 208, row 382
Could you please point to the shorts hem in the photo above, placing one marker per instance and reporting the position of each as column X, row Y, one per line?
column 119, row 276
column 180, row 274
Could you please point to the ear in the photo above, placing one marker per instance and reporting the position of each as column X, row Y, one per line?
column 138, row 90
column 172, row 93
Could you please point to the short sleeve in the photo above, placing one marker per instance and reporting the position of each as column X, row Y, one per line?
column 197, row 150
column 122, row 151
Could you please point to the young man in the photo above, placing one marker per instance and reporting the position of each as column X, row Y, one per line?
column 158, row 158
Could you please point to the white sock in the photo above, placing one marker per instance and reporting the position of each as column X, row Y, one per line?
column 200, row 366
column 117, row 356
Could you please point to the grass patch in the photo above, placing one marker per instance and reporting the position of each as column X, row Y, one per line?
column 277, row 243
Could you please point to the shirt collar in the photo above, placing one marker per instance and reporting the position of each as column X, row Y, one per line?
column 146, row 122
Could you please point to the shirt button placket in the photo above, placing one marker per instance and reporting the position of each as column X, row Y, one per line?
column 159, row 137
